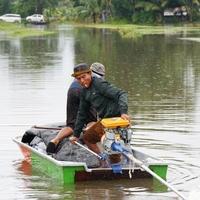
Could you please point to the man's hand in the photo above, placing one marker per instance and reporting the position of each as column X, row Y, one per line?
column 126, row 117
column 103, row 156
column 73, row 139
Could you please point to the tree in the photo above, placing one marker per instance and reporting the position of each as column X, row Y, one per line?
column 90, row 8
column 130, row 10
column 5, row 6
column 105, row 9
column 192, row 7
column 27, row 7
column 123, row 10
column 155, row 6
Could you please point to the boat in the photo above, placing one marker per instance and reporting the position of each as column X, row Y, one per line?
column 69, row 172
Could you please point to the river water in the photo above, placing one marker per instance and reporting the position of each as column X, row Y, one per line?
column 161, row 74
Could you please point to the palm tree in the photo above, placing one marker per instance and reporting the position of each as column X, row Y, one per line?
column 192, row 7
column 5, row 6
column 155, row 6
column 90, row 8
column 105, row 9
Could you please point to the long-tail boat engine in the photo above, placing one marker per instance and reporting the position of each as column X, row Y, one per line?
column 116, row 141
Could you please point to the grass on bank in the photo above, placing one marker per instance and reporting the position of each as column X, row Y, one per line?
column 20, row 30
column 135, row 31
column 125, row 30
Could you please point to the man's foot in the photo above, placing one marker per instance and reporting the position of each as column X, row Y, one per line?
column 51, row 148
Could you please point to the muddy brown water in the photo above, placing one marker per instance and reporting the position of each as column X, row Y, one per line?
column 161, row 74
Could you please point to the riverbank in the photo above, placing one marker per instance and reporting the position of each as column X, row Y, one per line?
column 20, row 30
column 135, row 31
column 125, row 30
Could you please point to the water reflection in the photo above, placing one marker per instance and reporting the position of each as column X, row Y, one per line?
column 29, row 68
column 118, row 189
column 157, row 71
column 161, row 75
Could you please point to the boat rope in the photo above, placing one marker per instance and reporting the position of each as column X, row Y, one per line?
column 131, row 168
column 131, row 164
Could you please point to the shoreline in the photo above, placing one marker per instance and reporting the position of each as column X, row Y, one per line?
column 20, row 30
column 125, row 30
column 135, row 31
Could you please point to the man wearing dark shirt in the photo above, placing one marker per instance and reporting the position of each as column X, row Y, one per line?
column 108, row 100
column 73, row 100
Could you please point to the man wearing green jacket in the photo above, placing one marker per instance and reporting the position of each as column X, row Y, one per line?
column 108, row 100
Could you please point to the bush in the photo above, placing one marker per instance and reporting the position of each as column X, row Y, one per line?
column 144, row 17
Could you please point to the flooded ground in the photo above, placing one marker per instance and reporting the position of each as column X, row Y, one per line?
column 161, row 75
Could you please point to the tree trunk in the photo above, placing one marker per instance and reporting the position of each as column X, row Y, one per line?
column 94, row 17
column 39, row 7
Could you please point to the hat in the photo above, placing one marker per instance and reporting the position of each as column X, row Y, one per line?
column 98, row 68
column 80, row 69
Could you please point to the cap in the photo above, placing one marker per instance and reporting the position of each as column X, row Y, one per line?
column 98, row 68
column 80, row 69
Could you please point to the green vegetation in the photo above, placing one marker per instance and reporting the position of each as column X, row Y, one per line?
column 135, row 31
column 20, row 30
column 125, row 30
column 131, row 11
